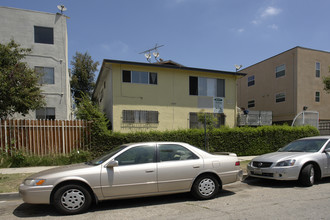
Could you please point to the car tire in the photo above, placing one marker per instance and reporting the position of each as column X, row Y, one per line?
column 72, row 199
column 307, row 175
column 205, row 187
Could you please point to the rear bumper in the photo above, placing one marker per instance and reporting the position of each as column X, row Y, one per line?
column 35, row 194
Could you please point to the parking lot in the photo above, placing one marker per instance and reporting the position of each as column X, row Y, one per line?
column 250, row 199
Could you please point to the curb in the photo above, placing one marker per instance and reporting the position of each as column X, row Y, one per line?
column 9, row 196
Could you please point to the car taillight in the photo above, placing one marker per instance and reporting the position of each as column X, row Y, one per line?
column 237, row 163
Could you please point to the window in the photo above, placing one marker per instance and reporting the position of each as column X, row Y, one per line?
column 139, row 77
column 43, row 35
column 317, row 96
column 137, row 116
column 250, row 80
column 317, row 69
column 202, row 86
column 46, row 74
column 170, row 152
column 251, row 104
column 280, row 71
column 45, row 113
column 195, row 123
column 137, row 155
column 280, row 97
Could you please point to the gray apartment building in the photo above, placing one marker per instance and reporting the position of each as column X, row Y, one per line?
column 286, row 83
column 46, row 35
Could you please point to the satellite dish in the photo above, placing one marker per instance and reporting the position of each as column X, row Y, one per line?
column 238, row 67
column 61, row 8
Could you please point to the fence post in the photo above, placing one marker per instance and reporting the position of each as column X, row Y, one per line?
column 6, row 141
column 63, row 141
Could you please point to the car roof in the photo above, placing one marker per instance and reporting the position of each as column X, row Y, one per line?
column 317, row 137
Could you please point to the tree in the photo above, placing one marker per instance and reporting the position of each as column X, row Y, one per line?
column 83, row 70
column 326, row 81
column 19, row 87
column 209, row 121
column 90, row 112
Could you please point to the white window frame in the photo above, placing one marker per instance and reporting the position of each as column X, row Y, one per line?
column 317, row 96
column 318, row 69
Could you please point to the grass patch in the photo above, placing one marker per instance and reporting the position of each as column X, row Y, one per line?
column 19, row 159
column 11, row 182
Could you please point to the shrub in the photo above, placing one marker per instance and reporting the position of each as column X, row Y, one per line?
column 242, row 141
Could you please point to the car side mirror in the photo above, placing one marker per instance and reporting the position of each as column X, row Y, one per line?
column 327, row 150
column 113, row 163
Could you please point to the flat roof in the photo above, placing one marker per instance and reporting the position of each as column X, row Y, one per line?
column 294, row 48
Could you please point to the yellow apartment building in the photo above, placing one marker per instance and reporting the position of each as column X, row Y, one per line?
column 286, row 83
column 164, row 96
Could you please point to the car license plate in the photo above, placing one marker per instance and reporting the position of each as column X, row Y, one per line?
column 257, row 171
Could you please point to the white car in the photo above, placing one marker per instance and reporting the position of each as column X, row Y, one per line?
column 305, row 160
column 133, row 170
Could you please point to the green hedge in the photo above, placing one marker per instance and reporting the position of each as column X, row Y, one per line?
column 243, row 141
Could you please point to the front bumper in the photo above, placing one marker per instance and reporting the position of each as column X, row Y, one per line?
column 276, row 173
column 35, row 194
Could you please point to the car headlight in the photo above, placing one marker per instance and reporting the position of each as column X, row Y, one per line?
column 34, row 182
column 286, row 163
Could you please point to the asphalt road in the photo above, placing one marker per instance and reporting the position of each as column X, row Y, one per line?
column 251, row 199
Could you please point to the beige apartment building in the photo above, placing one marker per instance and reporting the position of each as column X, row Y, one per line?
column 164, row 96
column 286, row 83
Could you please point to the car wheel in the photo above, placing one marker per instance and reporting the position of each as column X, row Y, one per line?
column 307, row 175
column 72, row 199
column 205, row 187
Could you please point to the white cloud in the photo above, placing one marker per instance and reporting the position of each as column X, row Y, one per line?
column 270, row 11
column 240, row 30
column 266, row 13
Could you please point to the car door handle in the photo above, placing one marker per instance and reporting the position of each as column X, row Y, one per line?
column 196, row 166
column 150, row 171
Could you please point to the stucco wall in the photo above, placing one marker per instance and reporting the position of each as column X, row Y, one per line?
column 18, row 24
column 170, row 97
column 299, row 84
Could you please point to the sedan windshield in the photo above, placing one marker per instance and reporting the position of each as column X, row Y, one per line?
column 310, row 145
column 105, row 157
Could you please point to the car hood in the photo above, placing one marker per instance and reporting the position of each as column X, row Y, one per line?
column 74, row 168
column 279, row 156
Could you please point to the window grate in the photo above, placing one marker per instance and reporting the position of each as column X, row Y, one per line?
column 138, row 116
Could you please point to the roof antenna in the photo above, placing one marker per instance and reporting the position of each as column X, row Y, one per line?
column 62, row 8
column 147, row 53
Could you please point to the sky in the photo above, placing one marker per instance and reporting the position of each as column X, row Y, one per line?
column 209, row 34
